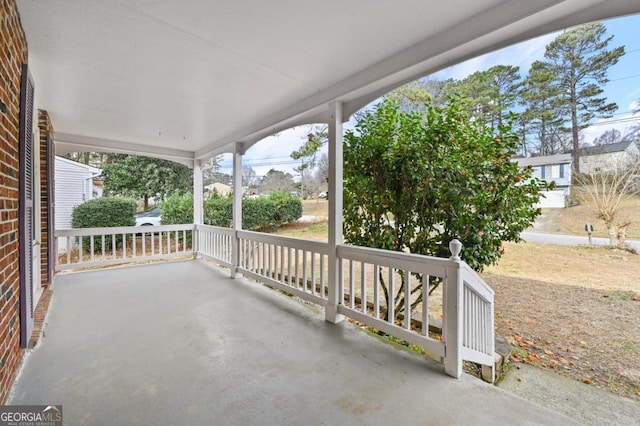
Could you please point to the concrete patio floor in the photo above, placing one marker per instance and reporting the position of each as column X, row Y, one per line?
column 181, row 343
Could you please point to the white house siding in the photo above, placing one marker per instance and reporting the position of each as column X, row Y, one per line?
column 555, row 168
column 73, row 186
column 555, row 199
column 591, row 162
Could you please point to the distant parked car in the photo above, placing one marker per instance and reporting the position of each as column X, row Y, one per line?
column 149, row 217
column 324, row 194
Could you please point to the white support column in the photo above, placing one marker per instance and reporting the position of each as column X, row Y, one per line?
column 198, row 190
column 453, row 307
column 198, row 202
column 335, row 211
column 237, row 205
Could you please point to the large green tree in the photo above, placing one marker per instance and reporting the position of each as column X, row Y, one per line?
column 492, row 92
column 414, row 180
column 415, row 95
column 580, row 59
column 276, row 180
column 145, row 177
column 540, row 97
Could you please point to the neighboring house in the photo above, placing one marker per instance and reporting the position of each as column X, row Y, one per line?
column 552, row 168
column 609, row 157
column 222, row 189
column 74, row 186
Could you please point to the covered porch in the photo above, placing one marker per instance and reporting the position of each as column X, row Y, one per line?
column 182, row 343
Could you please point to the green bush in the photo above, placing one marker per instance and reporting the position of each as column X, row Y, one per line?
column 104, row 212
column 218, row 211
column 288, row 207
column 177, row 209
column 263, row 213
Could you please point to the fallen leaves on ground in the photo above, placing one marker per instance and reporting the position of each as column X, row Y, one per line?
column 573, row 331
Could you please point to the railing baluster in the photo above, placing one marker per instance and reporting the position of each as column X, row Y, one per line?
column 391, row 308
column 352, row 301
column 135, row 245
column 407, row 299
column 289, row 265
column 425, row 305
column 363, row 287
column 323, row 276
column 314, row 290
column 297, row 269
column 69, row 249
column 305, row 285
column 376, row 290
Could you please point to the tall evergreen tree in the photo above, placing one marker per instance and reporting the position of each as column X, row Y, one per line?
column 579, row 58
column 492, row 92
column 539, row 96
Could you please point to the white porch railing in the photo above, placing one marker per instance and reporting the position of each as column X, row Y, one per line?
column 367, row 279
column 90, row 247
column 293, row 265
column 215, row 243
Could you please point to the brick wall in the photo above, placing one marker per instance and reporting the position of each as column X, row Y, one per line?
column 47, row 161
column 13, row 53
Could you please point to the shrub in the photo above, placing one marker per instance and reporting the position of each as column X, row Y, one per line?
column 177, row 209
column 288, row 207
column 104, row 212
column 263, row 213
column 218, row 211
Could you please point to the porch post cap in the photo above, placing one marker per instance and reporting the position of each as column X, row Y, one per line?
column 455, row 246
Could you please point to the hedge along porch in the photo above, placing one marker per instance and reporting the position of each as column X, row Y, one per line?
column 188, row 80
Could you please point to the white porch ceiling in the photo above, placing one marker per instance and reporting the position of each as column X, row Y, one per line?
column 185, row 79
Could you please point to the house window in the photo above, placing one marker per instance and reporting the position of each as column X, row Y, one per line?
column 553, row 171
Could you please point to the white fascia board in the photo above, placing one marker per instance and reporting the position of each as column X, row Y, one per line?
column 65, row 142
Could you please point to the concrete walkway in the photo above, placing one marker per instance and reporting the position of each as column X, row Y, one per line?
column 585, row 403
column 182, row 344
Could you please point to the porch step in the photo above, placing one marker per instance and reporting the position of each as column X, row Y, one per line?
column 501, row 354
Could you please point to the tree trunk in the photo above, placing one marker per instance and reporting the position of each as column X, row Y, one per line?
column 621, row 233
column 576, row 139
column 618, row 233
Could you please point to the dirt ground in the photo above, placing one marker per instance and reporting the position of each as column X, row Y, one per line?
column 578, row 314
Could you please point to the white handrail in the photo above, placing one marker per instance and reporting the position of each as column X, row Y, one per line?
column 91, row 247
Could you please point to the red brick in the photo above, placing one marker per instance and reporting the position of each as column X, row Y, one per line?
column 13, row 53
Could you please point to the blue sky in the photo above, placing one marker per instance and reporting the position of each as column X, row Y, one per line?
column 623, row 88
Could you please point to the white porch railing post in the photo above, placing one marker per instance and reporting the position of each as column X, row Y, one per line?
column 453, row 310
column 335, row 211
column 198, row 201
column 237, row 206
